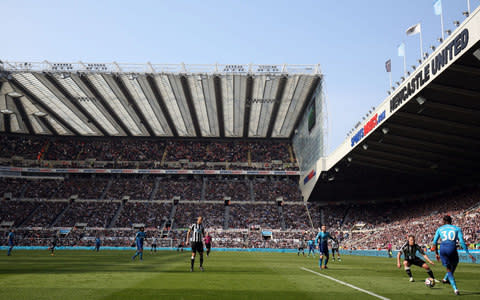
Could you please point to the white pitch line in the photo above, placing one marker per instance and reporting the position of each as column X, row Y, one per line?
column 347, row 284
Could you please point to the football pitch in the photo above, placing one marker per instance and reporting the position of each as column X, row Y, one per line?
column 228, row 275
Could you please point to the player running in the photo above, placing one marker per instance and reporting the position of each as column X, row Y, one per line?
column 98, row 242
column 322, row 244
column 409, row 250
column 197, row 233
column 10, row 242
column 208, row 242
column 53, row 244
column 335, row 247
column 449, row 234
column 311, row 247
column 139, row 239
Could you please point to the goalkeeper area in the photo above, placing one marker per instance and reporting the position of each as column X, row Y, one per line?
column 228, row 275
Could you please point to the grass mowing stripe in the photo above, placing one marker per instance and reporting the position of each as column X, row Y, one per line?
column 346, row 284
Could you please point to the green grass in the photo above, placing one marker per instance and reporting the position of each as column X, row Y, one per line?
column 228, row 275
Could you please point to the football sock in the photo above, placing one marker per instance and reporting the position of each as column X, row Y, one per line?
column 430, row 273
column 201, row 260
column 445, row 277
column 320, row 261
column 409, row 273
column 326, row 261
column 452, row 280
column 141, row 255
column 9, row 251
column 192, row 261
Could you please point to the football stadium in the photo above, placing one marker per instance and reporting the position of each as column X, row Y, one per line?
column 215, row 181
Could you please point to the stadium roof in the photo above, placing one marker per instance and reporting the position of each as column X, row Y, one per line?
column 111, row 99
column 424, row 136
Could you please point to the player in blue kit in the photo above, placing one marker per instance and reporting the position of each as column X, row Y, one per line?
column 322, row 243
column 449, row 234
column 11, row 242
column 311, row 247
column 98, row 242
column 139, row 239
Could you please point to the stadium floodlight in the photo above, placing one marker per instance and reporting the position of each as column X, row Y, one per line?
column 448, row 32
column 14, row 95
column 414, row 67
column 408, row 73
column 40, row 114
column 385, row 130
column 337, row 169
column 402, row 78
column 388, row 92
column 420, row 100
column 64, row 75
column 440, row 40
column 425, row 55
column 477, row 54
column 419, row 61
column 398, row 83
column 331, row 178
column 365, row 146
column 349, row 159
column 432, row 47
column 466, row 14
column 456, row 23
column 6, row 111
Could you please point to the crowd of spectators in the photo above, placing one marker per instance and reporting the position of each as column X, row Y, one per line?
column 140, row 188
column 142, row 150
column 15, row 211
column 360, row 226
column 237, row 190
column 184, row 187
column 187, row 213
column 269, row 189
column 84, row 187
column 12, row 185
column 247, row 215
column 46, row 213
column 28, row 148
column 93, row 213
column 152, row 214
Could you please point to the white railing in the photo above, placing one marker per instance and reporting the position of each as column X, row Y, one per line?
column 222, row 69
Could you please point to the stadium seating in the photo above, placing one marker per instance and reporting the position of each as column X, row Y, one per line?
column 125, row 153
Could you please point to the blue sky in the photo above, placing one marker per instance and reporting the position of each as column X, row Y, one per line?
column 351, row 40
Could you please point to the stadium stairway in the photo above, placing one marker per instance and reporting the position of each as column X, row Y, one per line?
column 250, row 188
column 282, row 219
column 204, row 188
column 155, row 189
column 346, row 214
column 226, row 217
column 23, row 190
column 105, row 191
column 116, row 216
column 60, row 215
column 30, row 215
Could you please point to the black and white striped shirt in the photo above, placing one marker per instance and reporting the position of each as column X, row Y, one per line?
column 196, row 232
column 410, row 252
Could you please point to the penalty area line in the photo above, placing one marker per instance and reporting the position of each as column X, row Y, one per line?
column 346, row 284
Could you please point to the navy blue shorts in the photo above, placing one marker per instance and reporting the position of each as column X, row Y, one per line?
column 449, row 256
column 323, row 248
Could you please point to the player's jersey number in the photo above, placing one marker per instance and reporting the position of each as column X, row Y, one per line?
column 448, row 235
